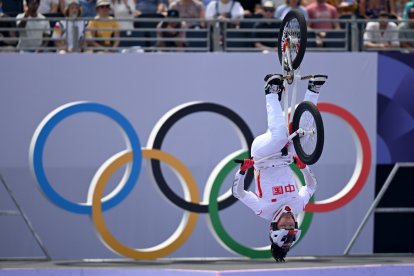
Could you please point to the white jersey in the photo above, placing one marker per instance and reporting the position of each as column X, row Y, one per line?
column 275, row 188
column 275, row 182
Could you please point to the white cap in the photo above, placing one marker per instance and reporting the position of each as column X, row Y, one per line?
column 103, row 3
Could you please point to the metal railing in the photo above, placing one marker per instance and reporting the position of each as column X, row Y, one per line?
column 19, row 212
column 373, row 208
column 198, row 35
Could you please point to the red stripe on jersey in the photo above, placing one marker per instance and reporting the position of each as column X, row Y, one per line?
column 259, row 188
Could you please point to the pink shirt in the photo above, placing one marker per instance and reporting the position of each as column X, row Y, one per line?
column 322, row 11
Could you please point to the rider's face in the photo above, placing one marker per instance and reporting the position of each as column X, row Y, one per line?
column 286, row 222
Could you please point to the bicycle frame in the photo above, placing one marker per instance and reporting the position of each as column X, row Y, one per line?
column 291, row 77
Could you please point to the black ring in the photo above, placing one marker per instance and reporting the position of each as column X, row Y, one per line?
column 181, row 113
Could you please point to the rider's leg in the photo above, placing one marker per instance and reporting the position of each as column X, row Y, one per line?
column 275, row 138
column 314, row 86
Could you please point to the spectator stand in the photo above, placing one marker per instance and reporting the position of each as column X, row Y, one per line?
column 197, row 38
column 242, row 38
column 335, row 39
column 53, row 19
column 224, row 36
column 145, row 33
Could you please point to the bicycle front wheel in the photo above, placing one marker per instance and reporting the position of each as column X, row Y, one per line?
column 293, row 36
column 308, row 145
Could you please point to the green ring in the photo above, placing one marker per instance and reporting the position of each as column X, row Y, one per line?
column 228, row 241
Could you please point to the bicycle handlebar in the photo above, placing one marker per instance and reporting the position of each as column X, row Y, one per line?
column 289, row 77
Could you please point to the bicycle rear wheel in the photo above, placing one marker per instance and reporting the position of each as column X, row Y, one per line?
column 308, row 146
column 292, row 34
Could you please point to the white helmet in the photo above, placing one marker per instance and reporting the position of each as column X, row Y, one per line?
column 284, row 238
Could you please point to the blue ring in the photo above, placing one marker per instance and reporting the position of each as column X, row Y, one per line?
column 38, row 170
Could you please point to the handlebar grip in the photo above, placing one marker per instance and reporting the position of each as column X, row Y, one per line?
column 239, row 161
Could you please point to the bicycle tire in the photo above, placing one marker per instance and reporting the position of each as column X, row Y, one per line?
column 302, row 37
column 312, row 157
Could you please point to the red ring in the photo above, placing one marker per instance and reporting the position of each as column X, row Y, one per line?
column 366, row 160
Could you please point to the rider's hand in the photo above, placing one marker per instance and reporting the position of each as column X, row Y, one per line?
column 247, row 164
column 275, row 81
column 299, row 162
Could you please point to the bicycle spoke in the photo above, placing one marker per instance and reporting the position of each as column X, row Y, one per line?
column 309, row 140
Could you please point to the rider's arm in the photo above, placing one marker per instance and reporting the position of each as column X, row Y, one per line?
column 238, row 183
column 246, row 197
column 307, row 191
column 238, row 186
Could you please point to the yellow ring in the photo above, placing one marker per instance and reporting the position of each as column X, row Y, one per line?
column 181, row 234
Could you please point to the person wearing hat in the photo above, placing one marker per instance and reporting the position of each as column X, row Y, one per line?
column 103, row 31
column 170, row 33
column 406, row 31
column 266, row 41
column 63, row 31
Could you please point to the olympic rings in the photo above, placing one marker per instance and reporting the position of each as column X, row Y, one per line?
column 362, row 166
column 39, row 140
column 133, row 155
column 220, row 232
column 181, row 234
column 160, row 131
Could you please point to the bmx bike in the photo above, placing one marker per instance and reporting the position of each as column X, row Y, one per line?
column 305, row 121
column 306, row 131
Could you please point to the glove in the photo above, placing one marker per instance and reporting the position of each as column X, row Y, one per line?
column 247, row 164
column 274, row 84
column 299, row 162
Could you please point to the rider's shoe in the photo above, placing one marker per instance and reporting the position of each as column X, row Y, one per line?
column 274, row 84
column 316, row 82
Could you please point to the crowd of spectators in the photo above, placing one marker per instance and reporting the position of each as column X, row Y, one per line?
column 102, row 22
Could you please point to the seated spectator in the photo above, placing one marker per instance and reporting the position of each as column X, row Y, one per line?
column 63, row 31
column 168, row 33
column 189, row 9
column 7, row 37
column 103, row 30
column 269, row 24
column 33, row 33
column 406, row 31
column 224, row 10
column 125, row 11
column 151, row 6
column 382, row 34
column 283, row 9
column 320, row 10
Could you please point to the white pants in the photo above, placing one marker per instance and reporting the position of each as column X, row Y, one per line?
column 276, row 136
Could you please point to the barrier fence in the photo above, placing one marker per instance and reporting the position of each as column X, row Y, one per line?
column 195, row 35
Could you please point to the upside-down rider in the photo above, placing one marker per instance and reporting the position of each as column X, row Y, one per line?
column 276, row 198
